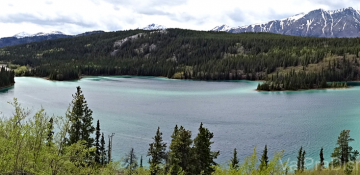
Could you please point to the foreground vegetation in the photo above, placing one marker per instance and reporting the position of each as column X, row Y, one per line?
column 32, row 145
column 297, row 62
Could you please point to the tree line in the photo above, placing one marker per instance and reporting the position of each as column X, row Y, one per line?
column 187, row 54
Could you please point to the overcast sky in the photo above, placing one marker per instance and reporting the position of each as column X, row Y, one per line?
column 78, row 16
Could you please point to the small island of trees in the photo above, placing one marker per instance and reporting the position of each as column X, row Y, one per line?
column 6, row 77
column 298, row 81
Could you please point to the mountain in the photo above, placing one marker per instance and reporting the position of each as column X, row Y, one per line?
column 24, row 37
column 154, row 27
column 317, row 23
column 223, row 28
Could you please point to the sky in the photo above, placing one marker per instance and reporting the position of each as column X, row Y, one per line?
column 78, row 16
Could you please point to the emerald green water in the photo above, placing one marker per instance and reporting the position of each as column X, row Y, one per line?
column 239, row 116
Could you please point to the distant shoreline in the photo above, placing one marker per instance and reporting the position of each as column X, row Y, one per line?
column 349, row 87
column 89, row 76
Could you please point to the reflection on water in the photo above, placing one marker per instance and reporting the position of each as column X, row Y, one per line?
column 6, row 90
column 239, row 116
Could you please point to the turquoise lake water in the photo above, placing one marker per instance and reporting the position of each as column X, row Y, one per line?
column 239, row 116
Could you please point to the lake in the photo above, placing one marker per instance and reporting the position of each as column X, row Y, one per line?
column 239, row 116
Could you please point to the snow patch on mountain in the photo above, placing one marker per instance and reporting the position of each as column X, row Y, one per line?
column 154, row 27
column 295, row 17
column 222, row 28
column 24, row 34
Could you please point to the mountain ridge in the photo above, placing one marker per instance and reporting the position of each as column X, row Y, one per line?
column 23, row 37
column 342, row 23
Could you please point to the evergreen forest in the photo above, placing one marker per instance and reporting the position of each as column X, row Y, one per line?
column 283, row 62
column 6, row 77
column 32, row 145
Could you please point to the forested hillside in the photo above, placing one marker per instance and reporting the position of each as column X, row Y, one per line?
column 177, row 53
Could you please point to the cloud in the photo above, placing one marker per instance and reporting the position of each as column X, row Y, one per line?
column 30, row 18
column 111, row 15
column 236, row 15
column 152, row 11
column 149, row 3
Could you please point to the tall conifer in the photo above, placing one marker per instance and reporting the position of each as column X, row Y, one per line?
column 81, row 117
column 234, row 162
column 51, row 132
column 97, row 143
column 264, row 160
column 204, row 157
column 157, row 152
column 103, row 151
column 180, row 151
column 321, row 158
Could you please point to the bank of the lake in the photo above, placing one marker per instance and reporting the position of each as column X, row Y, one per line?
column 6, row 87
column 239, row 116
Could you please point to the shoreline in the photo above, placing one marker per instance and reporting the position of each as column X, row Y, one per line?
column 89, row 76
column 6, row 87
column 349, row 87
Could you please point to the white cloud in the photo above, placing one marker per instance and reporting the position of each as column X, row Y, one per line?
column 78, row 16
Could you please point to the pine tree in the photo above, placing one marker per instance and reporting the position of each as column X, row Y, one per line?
column 234, row 162
column 103, row 151
column 344, row 153
column 264, row 160
column 109, row 151
column 321, row 159
column 180, row 151
column 51, row 132
column 204, row 157
column 81, row 117
column 97, row 143
column 299, row 158
column 141, row 162
column 157, row 152
column 303, row 161
column 130, row 161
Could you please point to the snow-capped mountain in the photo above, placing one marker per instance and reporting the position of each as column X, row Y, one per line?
column 154, row 27
column 24, row 34
column 316, row 23
column 24, row 37
column 222, row 28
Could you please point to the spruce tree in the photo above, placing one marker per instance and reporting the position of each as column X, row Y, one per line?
column 51, row 132
column 303, row 161
column 157, row 152
column 204, row 157
column 321, row 159
column 81, row 117
column 109, row 151
column 102, row 151
column 299, row 158
column 180, row 151
column 264, row 160
column 97, row 143
column 141, row 162
column 234, row 162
